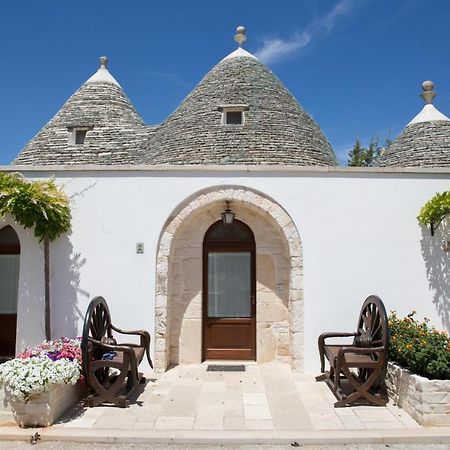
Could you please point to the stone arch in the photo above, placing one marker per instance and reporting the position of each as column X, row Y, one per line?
column 208, row 203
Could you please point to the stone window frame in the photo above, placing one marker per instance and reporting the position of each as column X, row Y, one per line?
column 254, row 200
column 74, row 132
column 225, row 109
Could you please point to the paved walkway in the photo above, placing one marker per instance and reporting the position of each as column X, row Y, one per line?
column 264, row 397
column 266, row 400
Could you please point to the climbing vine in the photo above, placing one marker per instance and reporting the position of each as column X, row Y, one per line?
column 435, row 210
column 38, row 204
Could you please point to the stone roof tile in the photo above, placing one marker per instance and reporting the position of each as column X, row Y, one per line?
column 116, row 132
column 425, row 142
column 276, row 130
column 422, row 144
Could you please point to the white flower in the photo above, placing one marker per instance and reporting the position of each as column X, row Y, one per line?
column 25, row 377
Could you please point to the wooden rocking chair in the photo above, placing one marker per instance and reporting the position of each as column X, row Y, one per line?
column 107, row 364
column 357, row 371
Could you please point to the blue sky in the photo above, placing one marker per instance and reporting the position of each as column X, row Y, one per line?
column 355, row 65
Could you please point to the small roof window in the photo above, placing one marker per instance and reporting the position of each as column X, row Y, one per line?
column 233, row 114
column 234, row 117
column 78, row 135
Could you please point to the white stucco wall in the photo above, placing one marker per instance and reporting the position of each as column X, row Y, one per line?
column 30, row 304
column 358, row 230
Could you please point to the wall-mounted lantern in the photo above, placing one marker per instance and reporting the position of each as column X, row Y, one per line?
column 227, row 215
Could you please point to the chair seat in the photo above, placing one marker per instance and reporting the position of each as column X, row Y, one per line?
column 352, row 360
column 138, row 352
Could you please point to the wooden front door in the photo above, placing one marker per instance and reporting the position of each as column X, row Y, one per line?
column 229, row 292
column 9, row 282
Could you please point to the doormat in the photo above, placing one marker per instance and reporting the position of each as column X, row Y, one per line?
column 225, row 368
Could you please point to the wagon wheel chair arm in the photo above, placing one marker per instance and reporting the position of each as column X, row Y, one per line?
column 144, row 340
column 322, row 338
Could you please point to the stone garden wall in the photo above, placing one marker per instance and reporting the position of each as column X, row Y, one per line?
column 427, row 401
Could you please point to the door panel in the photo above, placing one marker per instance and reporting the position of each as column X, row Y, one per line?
column 230, row 339
column 8, row 324
column 229, row 286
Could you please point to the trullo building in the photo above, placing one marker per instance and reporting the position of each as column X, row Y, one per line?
column 306, row 243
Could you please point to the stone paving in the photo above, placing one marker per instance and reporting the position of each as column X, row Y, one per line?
column 267, row 405
column 264, row 397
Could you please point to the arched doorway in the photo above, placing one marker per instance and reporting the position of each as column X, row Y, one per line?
column 179, row 277
column 9, row 284
column 229, row 292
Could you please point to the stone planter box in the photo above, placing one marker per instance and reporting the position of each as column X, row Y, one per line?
column 44, row 409
column 427, row 401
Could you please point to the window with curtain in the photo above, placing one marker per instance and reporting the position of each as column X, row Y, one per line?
column 229, row 281
column 9, row 270
column 9, row 283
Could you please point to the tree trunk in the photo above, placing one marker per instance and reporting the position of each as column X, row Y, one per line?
column 47, row 287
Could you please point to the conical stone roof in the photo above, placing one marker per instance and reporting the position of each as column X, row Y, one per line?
column 276, row 129
column 115, row 129
column 425, row 142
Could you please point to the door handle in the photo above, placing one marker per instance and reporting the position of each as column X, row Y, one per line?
column 253, row 299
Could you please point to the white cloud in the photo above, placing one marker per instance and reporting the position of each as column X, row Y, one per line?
column 275, row 49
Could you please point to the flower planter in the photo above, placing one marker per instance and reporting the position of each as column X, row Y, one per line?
column 427, row 401
column 42, row 410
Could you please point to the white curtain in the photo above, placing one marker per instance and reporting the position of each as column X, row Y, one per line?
column 9, row 283
column 229, row 284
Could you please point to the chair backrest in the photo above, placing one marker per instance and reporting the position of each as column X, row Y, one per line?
column 97, row 325
column 372, row 327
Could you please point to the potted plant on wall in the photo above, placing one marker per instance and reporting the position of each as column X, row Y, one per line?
column 43, row 381
column 435, row 210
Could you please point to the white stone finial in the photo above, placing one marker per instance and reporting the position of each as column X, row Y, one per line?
column 102, row 75
column 429, row 113
column 104, row 61
column 240, row 36
column 428, row 94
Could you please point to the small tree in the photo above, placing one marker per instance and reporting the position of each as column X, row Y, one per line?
column 357, row 155
column 360, row 156
column 39, row 205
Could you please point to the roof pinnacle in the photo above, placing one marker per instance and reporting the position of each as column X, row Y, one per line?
column 240, row 36
column 428, row 94
column 104, row 61
column 102, row 75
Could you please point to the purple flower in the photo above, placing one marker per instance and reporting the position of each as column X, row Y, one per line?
column 53, row 355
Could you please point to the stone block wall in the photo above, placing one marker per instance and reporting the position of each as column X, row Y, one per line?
column 279, row 272
column 427, row 401
column 184, row 312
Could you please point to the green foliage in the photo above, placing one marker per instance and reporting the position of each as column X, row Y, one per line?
column 38, row 204
column 435, row 209
column 419, row 348
column 361, row 156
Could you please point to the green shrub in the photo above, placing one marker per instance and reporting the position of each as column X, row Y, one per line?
column 423, row 350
